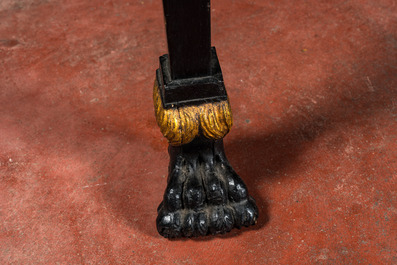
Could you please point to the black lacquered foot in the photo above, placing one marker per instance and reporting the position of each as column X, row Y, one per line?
column 204, row 194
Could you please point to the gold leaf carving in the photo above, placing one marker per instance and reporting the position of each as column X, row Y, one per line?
column 182, row 124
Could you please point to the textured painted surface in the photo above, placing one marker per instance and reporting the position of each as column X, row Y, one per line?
column 312, row 86
column 183, row 124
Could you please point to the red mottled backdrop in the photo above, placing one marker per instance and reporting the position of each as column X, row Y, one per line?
column 83, row 164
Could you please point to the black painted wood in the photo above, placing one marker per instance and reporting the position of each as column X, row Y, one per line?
column 191, row 91
column 188, row 26
column 204, row 195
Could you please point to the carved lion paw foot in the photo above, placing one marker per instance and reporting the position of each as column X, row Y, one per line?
column 204, row 194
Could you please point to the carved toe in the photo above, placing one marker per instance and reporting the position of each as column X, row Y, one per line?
column 169, row 224
column 193, row 196
column 236, row 187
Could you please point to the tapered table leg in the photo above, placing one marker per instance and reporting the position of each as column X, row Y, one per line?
column 204, row 195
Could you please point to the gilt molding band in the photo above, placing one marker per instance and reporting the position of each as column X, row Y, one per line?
column 182, row 124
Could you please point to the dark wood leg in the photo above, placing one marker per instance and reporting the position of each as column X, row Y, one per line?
column 204, row 195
